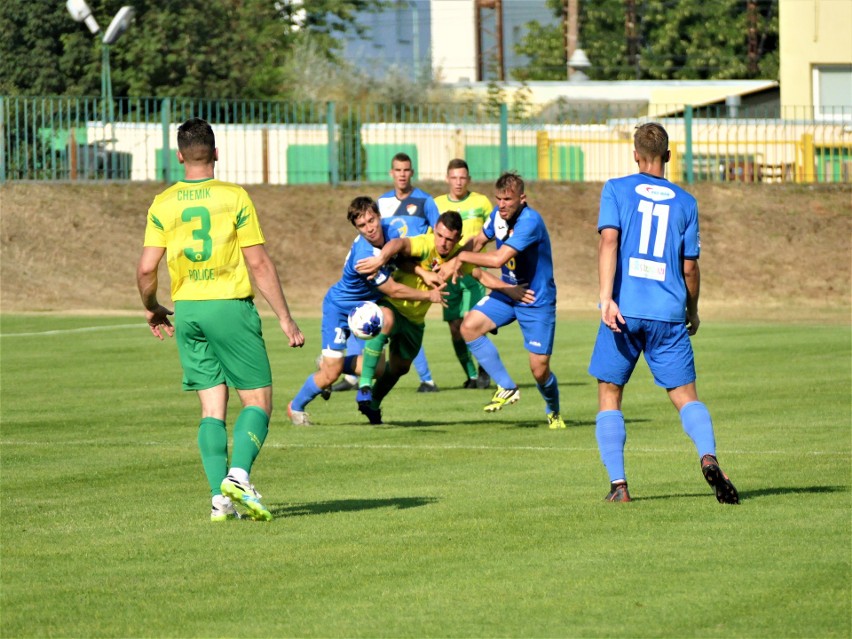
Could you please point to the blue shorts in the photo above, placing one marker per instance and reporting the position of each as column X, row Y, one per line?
column 538, row 325
column 335, row 327
column 666, row 345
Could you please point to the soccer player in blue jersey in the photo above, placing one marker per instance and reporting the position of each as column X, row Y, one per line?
column 649, row 285
column 351, row 290
column 411, row 211
column 524, row 257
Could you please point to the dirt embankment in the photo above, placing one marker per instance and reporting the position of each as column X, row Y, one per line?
column 69, row 247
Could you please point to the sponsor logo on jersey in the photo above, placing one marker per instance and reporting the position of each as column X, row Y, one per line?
column 411, row 209
column 501, row 228
column 655, row 192
column 647, row 269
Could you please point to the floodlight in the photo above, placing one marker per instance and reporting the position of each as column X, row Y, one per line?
column 579, row 60
column 119, row 24
column 80, row 11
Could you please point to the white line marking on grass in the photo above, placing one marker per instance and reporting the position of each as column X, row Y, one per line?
column 674, row 451
column 569, row 449
column 85, row 329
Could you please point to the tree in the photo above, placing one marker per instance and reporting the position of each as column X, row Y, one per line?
column 227, row 48
column 544, row 46
column 677, row 40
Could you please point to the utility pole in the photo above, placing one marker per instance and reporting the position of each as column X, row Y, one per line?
column 571, row 31
column 631, row 37
column 753, row 53
column 495, row 54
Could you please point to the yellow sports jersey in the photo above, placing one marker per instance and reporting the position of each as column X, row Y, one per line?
column 203, row 224
column 474, row 210
column 423, row 250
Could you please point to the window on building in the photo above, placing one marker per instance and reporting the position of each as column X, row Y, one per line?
column 832, row 86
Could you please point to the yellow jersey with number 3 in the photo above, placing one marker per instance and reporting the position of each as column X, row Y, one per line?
column 203, row 225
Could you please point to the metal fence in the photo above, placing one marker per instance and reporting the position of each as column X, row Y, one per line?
column 266, row 142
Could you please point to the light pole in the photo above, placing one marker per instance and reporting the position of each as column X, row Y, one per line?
column 81, row 12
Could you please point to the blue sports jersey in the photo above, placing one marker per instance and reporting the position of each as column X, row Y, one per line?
column 533, row 265
column 414, row 215
column 353, row 288
column 658, row 226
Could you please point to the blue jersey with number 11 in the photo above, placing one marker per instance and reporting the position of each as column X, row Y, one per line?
column 658, row 226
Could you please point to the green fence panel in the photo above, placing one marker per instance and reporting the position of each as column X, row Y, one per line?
column 569, row 164
column 379, row 158
column 307, row 164
column 166, row 158
column 58, row 139
column 834, row 164
column 484, row 160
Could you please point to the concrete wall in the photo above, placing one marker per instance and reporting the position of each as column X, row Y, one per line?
column 812, row 33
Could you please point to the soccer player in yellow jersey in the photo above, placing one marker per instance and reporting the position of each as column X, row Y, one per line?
column 209, row 232
column 474, row 209
column 405, row 320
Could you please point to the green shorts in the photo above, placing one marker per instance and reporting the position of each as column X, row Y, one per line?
column 221, row 342
column 406, row 337
column 462, row 297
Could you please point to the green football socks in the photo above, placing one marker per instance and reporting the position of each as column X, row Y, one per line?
column 372, row 353
column 465, row 358
column 213, row 445
column 249, row 434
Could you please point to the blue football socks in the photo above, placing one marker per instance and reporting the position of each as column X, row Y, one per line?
column 306, row 394
column 422, row 366
column 611, row 435
column 486, row 354
column 697, row 424
column 550, row 392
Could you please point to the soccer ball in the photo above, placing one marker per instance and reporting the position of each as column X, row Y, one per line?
column 366, row 320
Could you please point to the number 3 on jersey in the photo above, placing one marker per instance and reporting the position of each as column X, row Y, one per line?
column 202, row 234
column 648, row 210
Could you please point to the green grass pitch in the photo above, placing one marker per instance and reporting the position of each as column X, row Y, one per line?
column 445, row 521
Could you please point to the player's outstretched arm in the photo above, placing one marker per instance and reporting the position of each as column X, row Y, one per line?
column 371, row 265
column 392, row 288
column 156, row 314
column 491, row 259
column 269, row 284
column 517, row 292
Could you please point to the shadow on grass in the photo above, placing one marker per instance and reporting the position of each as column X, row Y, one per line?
column 507, row 423
column 542, row 423
column 753, row 494
column 419, row 423
column 792, row 490
column 349, row 505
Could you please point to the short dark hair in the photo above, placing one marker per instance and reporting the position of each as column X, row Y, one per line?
column 401, row 157
column 457, row 163
column 359, row 206
column 196, row 141
column 451, row 220
column 510, row 181
column 651, row 140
